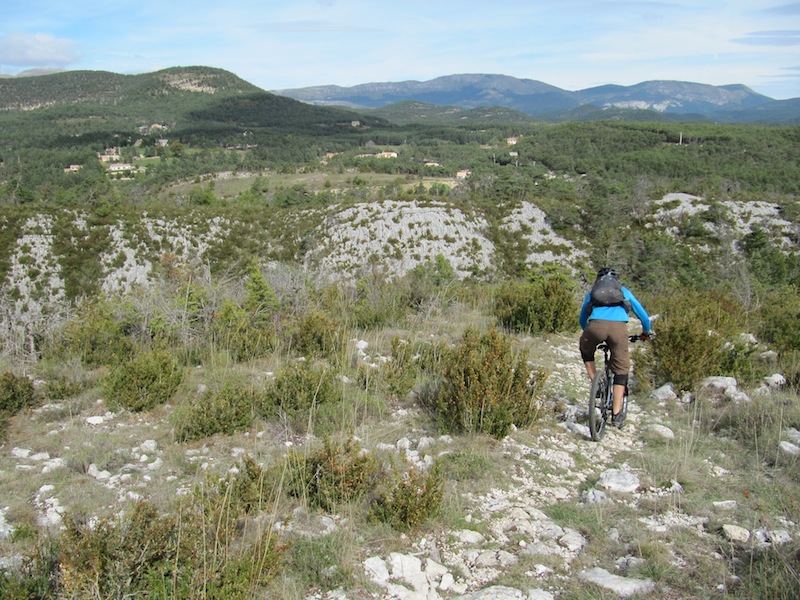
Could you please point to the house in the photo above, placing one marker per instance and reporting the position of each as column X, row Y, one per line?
column 511, row 140
column 117, row 167
column 463, row 174
column 73, row 168
column 110, row 155
column 378, row 155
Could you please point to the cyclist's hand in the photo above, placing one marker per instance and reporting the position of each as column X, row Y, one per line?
column 647, row 335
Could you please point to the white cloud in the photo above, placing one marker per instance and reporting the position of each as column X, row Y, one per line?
column 37, row 50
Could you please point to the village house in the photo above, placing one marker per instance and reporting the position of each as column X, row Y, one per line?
column 378, row 155
column 110, row 155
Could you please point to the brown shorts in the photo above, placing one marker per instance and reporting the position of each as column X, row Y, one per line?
column 615, row 334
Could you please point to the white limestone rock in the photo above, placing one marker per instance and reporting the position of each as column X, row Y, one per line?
column 735, row 534
column 664, row 393
column 790, row 448
column 623, row 587
column 661, row 431
column 615, row 480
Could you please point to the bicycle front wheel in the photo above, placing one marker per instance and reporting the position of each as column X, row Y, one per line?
column 597, row 405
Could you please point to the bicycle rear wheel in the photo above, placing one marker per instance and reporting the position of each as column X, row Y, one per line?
column 597, row 405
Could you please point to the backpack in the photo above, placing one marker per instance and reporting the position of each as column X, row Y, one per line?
column 607, row 291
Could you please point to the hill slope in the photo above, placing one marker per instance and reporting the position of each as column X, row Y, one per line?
column 201, row 103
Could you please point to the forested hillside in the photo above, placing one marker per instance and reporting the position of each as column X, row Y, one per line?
column 295, row 347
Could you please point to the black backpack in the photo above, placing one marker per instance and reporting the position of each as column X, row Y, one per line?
column 607, row 291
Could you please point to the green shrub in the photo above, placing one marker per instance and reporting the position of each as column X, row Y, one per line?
column 427, row 281
column 337, row 472
column 691, row 340
column 38, row 576
column 401, row 371
column 373, row 302
column 739, row 359
column 486, row 387
column 299, row 387
column 196, row 553
column 16, row 393
column 244, row 335
column 409, row 499
column 315, row 334
column 544, row 306
column 780, row 319
column 97, row 335
column 148, row 379
column 251, row 486
column 108, row 560
column 227, row 410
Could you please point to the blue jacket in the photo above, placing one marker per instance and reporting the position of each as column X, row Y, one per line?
column 615, row 313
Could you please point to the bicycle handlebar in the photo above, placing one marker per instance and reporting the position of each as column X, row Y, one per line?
column 642, row 337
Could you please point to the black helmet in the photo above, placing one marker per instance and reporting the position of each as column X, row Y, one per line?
column 608, row 271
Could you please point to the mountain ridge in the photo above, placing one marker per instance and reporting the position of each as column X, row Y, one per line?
column 732, row 102
column 650, row 100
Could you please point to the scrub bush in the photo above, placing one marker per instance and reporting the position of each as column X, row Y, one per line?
column 409, row 499
column 148, row 379
column 486, row 387
column 316, row 334
column 97, row 336
column 337, row 472
column 227, row 410
column 193, row 553
column 692, row 341
column 544, row 306
column 16, row 393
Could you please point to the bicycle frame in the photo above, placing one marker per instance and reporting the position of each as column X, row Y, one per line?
column 601, row 396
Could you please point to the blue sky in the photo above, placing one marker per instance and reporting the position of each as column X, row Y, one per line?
column 572, row 44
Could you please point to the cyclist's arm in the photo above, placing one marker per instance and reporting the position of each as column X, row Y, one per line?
column 584, row 316
column 638, row 310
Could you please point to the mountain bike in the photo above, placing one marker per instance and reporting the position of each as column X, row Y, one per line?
column 601, row 396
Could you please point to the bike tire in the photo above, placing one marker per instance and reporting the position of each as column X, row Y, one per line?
column 597, row 399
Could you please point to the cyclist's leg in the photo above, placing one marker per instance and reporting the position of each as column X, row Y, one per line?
column 620, row 385
column 620, row 362
column 587, row 344
column 591, row 369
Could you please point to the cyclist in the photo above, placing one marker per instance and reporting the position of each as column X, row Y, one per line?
column 608, row 323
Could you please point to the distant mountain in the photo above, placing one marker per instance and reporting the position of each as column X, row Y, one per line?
column 32, row 72
column 673, row 99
